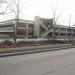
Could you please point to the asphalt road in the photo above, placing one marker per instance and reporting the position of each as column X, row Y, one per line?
column 61, row 62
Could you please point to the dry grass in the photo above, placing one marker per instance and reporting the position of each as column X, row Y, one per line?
column 28, row 44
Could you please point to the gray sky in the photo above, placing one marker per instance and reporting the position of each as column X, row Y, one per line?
column 45, row 8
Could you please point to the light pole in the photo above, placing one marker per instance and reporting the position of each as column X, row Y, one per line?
column 69, row 27
column 70, row 35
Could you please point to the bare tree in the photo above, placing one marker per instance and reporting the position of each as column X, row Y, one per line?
column 2, row 3
column 55, row 20
column 15, row 7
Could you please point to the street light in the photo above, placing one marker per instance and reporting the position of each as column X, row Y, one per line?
column 69, row 27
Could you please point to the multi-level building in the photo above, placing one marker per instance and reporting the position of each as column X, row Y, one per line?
column 24, row 29
column 44, row 28
column 39, row 28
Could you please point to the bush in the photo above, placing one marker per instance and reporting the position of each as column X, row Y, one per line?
column 8, row 42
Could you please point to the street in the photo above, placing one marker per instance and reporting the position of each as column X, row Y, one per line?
column 60, row 62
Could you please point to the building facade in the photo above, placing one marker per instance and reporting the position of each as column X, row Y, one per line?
column 39, row 28
column 44, row 28
column 24, row 29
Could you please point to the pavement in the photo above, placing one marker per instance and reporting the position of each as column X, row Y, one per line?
column 34, row 49
column 60, row 62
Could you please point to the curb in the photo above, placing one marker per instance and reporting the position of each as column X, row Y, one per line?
column 23, row 49
column 33, row 51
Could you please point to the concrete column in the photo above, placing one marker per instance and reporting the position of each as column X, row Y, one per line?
column 37, row 26
column 27, row 31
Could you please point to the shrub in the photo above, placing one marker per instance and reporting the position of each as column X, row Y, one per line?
column 8, row 42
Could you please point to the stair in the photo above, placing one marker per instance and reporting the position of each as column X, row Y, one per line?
column 44, row 26
column 45, row 33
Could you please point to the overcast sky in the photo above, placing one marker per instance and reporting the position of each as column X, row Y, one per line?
column 45, row 8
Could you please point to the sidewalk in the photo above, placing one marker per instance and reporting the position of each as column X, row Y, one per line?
column 35, row 49
column 22, row 49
